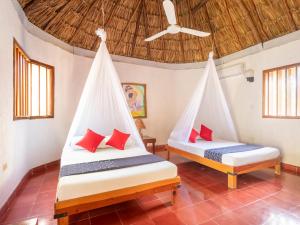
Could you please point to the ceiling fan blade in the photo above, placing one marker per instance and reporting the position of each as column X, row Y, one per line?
column 155, row 36
column 194, row 32
column 170, row 11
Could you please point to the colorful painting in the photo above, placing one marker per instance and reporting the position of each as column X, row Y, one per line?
column 136, row 99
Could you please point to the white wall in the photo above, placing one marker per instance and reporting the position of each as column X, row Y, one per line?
column 13, row 135
column 159, row 121
column 25, row 144
column 246, row 102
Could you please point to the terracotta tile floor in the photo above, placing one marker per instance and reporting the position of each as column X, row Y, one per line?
column 203, row 198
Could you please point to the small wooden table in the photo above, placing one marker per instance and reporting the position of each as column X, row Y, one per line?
column 149, row 140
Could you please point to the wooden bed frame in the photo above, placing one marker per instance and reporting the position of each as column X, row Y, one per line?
column 232, row 171
column 63, row 209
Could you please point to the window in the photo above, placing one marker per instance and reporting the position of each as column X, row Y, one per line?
column 33, row 87
column 281, row 92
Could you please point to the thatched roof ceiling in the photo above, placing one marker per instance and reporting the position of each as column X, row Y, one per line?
column 234, row 24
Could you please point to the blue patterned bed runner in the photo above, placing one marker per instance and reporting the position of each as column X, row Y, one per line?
column 217, row 153
column 110, row 164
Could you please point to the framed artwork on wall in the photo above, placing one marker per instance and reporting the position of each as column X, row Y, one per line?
column 135, row 94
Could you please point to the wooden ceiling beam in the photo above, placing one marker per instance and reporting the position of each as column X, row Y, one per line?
column 259, row 19
column 110, row 14
column 57, row 12
column 127, row 24
column 161, row 28
column 212, row 32
column 137, row 25
column 192, row 19
column 146, row 29
column 180, row 34
column 199, row 5
column 233, row 26
column 58, row 16
column 181, row 46
column 27, row 4
column 81, row 22
column 290, row 15
column 241, row 3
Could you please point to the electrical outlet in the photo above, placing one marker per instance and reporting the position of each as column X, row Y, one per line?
column 4, row 166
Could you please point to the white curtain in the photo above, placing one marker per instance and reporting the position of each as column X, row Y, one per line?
column 207, row 106
column 102, row 106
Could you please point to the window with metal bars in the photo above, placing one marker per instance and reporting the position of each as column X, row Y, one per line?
column 33, row 87
column 281, row 92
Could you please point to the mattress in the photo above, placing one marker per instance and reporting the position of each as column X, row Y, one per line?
column 231, row 159
column 94, row 183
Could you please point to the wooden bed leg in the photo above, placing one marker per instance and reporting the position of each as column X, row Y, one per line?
column 174, row 192
column 168, row 155
column 278, row 169
column 232, row 181
column 63, row 221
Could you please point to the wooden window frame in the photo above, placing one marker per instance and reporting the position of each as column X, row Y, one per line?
column 29, row 61
column 266, row 72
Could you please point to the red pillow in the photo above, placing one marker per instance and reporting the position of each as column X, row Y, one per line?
column 193, row 136
column 90, row 141
column 206, row 133
column 118, row 140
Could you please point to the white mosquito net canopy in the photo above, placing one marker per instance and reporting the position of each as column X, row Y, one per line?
column 102, row 106
column 208, row 107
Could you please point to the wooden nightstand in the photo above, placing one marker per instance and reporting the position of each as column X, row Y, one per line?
column 149, row 140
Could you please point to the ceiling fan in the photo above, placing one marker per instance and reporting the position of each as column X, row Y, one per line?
column 173, row 28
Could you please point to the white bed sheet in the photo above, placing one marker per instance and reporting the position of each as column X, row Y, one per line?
column 93, row 183
column 231, row 159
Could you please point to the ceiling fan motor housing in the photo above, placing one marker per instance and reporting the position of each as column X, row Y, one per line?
column 173, row 29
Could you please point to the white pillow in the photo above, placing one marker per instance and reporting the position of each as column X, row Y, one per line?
column 75, row 140
column 130, row 142
column 103, row 142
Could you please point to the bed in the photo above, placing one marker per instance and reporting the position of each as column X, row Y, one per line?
column 83, row 192
column 232, row 164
